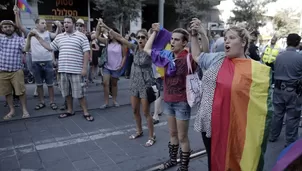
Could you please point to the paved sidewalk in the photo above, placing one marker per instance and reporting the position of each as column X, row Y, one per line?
column 73, row 144
column 95, row 98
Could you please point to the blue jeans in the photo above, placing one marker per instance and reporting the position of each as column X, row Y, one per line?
column 180, row 110
column 112, row 73
column 43, row 70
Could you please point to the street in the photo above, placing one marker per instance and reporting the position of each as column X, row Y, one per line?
column 46, row 143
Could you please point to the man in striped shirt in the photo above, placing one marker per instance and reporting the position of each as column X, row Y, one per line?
column 72, row 46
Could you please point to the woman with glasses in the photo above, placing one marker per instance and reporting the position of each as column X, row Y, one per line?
column 141, row 77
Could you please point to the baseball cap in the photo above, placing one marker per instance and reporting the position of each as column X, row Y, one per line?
column 80, row 21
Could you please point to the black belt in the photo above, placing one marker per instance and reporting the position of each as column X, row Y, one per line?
column 280, row 84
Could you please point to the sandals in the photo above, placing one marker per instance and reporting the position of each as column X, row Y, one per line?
column 150, row 142
column 155, row 121
column 65, row 115
column 8, row 116
column 137, row 135
column 53, row 106
column 88, row 117
column 26, row 115
column 105, row 106
column 40, row 106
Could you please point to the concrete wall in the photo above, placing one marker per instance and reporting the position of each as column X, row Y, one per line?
column 28, row 19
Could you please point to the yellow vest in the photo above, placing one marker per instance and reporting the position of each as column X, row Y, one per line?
column 270, row 54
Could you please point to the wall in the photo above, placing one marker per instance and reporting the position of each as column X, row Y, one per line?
column 28, row 19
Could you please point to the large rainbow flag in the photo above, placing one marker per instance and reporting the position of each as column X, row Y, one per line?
column 23, row 5
column 241, row 115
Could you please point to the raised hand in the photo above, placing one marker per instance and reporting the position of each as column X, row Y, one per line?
column 156, row 27
column 196, row 27
column 58, row 23
column 101, row 22
column 16, row 10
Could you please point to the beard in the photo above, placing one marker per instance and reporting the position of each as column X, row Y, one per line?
column 9, row 33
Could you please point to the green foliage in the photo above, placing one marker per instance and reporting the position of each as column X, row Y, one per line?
column 250, row 11
column 286, row 21
column 188, row 9
column 112, row 10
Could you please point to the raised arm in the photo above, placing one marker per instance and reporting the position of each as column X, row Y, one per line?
column 148, row 46
column 195, row 47
column 116, row 35
column 18, row 21
column 98, row 35
column 58, row 30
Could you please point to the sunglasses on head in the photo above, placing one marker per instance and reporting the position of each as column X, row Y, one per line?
column 141, row 37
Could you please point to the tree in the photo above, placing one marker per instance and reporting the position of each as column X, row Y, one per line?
column 286, row 21
column 119, row 11
column 188, row 9
column 250, row 12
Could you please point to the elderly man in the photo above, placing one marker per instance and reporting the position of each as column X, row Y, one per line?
column 11, row 73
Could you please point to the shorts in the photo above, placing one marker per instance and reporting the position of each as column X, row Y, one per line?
column 180, row 110
column 10, row 81
column 72, row 84
column 112, row 73
column 43, row 70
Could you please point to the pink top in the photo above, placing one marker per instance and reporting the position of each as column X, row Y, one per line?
column 114, row 56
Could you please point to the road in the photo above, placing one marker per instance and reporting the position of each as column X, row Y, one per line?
column 46, row 143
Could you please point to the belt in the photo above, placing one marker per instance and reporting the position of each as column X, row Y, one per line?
column 280, row 84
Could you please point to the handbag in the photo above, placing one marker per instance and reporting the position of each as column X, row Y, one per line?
column 193, row 85
column 103, row 59
column 152, row 91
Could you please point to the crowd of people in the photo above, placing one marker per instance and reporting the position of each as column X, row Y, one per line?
column 230, row 84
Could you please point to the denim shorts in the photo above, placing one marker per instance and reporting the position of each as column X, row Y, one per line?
column 180, row 110
column 43, row 70
column 112, row 73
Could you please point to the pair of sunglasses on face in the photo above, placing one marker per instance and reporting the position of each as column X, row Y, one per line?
column 140, row 37
column 79, row 25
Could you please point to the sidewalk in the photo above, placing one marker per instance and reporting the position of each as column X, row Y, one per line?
column 73, row 144
column 95, row 98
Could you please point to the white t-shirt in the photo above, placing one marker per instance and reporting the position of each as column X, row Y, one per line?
column 38, row 52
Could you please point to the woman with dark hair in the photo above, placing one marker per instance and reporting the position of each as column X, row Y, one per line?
column 141, row 78
column 111, row 70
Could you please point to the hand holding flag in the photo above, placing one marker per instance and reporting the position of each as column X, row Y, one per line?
column 23, row 5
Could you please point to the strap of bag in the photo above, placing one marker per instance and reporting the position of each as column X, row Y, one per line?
column 189, row 65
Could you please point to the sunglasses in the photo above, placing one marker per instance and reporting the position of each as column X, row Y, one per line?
column 79, row 25
column 141, row 37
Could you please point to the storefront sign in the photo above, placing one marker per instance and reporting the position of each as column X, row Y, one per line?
column 57, row 9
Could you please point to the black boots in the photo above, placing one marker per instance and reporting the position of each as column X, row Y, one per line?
column 173, row 150
column 184, row 160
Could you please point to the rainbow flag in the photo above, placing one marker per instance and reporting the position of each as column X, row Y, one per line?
column 241, row 116
column 23, row 5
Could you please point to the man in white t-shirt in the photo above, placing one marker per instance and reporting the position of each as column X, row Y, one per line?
column 42, row 63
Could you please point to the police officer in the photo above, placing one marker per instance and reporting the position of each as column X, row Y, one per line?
column 287, row 93
column 270, row 53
